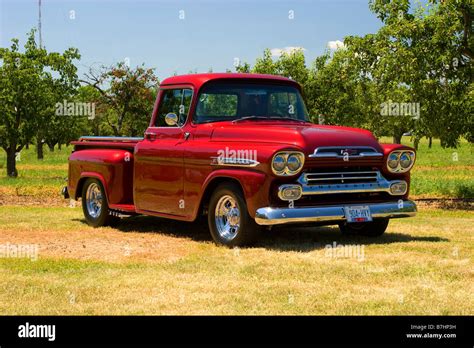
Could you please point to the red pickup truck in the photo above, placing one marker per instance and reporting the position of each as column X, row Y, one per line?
column 240, row 149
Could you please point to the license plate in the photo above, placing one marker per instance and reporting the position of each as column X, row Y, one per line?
column 358, row 214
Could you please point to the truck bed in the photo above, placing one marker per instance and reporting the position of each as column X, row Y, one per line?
column 108, row 159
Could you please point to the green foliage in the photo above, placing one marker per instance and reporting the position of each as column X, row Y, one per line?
column 419, row 56
column 30, row 84
column 126, row 97
column 290, row 64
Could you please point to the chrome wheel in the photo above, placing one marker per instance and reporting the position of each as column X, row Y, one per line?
column 94, row 200
column 227, row 217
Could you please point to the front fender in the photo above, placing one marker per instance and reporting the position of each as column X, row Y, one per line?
column 387, row 148
column 254, row 185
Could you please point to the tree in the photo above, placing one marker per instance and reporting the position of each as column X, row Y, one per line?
column 290, row 64
column 90, row 125
column 337, row 93
column 423, row 55
column 28, row 81
column 128, row 95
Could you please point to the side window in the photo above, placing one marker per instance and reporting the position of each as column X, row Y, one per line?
column 176, row 101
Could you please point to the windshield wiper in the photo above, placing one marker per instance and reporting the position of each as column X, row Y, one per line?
column 285, row 118
column 253, row 117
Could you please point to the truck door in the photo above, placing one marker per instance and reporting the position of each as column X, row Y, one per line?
column 159, row 165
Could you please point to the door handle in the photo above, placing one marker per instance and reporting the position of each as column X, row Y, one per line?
column 150, row 136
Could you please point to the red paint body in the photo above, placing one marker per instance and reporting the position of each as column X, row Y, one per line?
column 167, row 175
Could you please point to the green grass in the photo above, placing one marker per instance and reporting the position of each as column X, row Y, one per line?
column 442, row 172
column 438, row 172
column 422, row 265
column 41, row 178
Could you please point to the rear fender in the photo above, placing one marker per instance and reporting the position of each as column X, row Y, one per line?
column 87, row 175
column 113, row 167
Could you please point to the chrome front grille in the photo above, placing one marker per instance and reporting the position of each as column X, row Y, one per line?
column 340, row 178
column 345, row 182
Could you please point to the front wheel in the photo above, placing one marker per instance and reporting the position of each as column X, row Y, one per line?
column 94, row 204
column 229, row 221
column 371, row 229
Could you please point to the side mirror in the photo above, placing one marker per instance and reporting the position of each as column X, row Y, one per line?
column 171, row 119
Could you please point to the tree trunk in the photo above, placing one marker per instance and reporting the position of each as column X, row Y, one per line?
column 39, row 149
column 51, row 147
column 416, row 143
column 397, row 138
column 11, row 162
column 59, row 146
column 27, row 146
column 430, row 142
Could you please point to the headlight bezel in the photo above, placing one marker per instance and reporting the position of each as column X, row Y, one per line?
column 399, row 169
column 286, row 171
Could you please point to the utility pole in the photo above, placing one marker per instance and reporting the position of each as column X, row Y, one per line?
column 39, row 24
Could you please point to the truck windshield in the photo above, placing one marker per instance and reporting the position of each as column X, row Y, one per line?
column 224, row 101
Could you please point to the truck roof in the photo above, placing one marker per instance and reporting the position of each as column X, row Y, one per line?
column 197, row 80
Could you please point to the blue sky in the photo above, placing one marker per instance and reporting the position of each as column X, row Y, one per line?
column 212, row 34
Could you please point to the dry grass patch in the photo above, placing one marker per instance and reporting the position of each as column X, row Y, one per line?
column 422, row 266
column 68, row 236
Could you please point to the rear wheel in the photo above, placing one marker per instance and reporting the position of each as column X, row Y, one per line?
column 371, row 229
column 94, row 204
column 229, row 221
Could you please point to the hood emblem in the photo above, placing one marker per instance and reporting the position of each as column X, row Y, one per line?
column 349, row 152
column 343, row 151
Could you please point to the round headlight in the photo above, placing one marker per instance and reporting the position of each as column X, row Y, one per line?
column 279, row 163
column 400, row 161
column 293, row 163
column 286, row 163
column 405, row 160
column 393, row 161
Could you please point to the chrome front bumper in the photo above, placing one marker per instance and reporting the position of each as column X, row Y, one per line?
column 331, row 213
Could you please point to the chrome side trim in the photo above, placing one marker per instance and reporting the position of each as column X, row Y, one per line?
column 311, row 186
column 339, row 151
column 111, row 138
column 331, row 214
column 235, row 162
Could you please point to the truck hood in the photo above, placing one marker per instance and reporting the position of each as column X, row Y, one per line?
column 304, row 136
